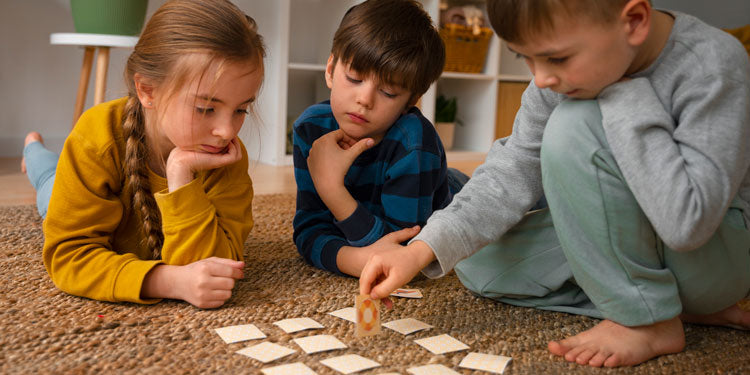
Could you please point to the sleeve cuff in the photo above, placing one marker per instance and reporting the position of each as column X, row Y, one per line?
column 357, row 226
column 188, row 201
column 129, row 281
column 329, row 253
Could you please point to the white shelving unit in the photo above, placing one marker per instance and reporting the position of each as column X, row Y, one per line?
column 298, row 36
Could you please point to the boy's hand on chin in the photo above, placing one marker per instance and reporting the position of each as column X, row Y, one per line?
column 183, row 164
column 332, row 155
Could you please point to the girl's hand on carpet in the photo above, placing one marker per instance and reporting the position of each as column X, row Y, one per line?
column 208, row 283
column 394, row 265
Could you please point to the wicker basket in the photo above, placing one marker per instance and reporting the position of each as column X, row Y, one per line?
column 464, row 51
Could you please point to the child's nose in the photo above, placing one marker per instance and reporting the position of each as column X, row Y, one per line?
column 365, row 95
column 223, row 128
column 543, row 78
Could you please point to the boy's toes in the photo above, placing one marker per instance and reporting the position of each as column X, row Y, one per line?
column 598, row 359
column 573, row 354
column 562, row 347
column 585, row 356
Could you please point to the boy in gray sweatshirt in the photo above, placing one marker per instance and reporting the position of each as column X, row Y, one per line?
column 636, row 128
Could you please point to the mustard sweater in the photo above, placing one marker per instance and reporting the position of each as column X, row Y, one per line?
column 93, row 240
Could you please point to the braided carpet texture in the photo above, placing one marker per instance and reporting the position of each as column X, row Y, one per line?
column 43, row 330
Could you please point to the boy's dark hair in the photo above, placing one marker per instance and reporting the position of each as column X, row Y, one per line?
column 517, row 20
column 393, row 39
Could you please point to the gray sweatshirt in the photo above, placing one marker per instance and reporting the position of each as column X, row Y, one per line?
column 679, row 131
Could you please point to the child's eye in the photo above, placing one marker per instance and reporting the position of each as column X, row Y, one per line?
column 520, row 56
column 352, row 79
column 557, row 60
column 388, row 94
column 204, row 111
column 243, row 112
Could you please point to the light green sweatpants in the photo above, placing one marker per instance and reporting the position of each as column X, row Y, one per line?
column 594, row 252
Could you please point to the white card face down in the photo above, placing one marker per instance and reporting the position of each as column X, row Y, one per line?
column 297, row 324
column 297, row 368
column 266, row 352
column 350, row 363
column 485, row 362
column 441, row 344
column 406, row 326
column 319, row 343
column 244, row 332
column 431, row 370
column 347, row 313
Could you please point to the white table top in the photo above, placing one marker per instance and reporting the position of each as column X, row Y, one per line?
column 98, row 40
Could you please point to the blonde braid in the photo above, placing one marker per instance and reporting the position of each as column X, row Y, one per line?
column 136, row 172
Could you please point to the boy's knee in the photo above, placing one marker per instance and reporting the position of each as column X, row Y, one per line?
column 572, row 122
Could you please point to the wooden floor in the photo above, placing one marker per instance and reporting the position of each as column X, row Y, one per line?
column 15, row 188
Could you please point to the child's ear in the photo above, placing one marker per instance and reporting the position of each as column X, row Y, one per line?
column 636, row 17
column 145, row 90
column 329, row 71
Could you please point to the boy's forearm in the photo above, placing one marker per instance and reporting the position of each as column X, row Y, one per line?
column 338, row 200
column 424, row 253
column 351, row 260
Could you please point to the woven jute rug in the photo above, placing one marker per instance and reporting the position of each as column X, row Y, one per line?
column 43, row 330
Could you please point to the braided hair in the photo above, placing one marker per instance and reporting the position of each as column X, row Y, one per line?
column 179, row 28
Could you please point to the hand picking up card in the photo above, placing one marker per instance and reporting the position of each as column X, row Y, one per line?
column 407, row 293
column 368, row 315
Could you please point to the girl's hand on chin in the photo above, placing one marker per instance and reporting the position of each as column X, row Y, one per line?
column 183, row 164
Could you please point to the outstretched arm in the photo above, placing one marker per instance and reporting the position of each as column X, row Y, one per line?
column 393, row 265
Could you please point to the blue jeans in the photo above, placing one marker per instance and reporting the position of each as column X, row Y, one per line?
column 456, row 180
column 41, row 165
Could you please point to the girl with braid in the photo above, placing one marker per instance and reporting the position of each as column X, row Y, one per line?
column 151, row 196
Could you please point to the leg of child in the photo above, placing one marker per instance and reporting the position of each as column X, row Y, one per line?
column 40, row 164
column 702, row 296
column 526, row 267
column 613, row 251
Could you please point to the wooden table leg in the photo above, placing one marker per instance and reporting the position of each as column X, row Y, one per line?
column 102, row 60
column 83, row 83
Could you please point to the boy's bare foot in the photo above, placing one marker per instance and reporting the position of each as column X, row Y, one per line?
column 611, row 344
column 733, row 317
column 31, row 137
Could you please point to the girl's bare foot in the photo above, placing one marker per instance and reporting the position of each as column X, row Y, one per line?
column 31, row 137
column 733, row 317
column 611, row 344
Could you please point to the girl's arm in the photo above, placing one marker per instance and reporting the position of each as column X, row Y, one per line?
column 85, row 212
column 210, row 216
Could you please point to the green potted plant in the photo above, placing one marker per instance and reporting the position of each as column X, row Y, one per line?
column 445, row 119
column 118, row 17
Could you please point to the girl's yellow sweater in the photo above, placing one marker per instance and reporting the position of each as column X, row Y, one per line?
column 94, row 246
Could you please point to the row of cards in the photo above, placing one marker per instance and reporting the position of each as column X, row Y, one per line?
column 351, row 363
column 366, row 315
